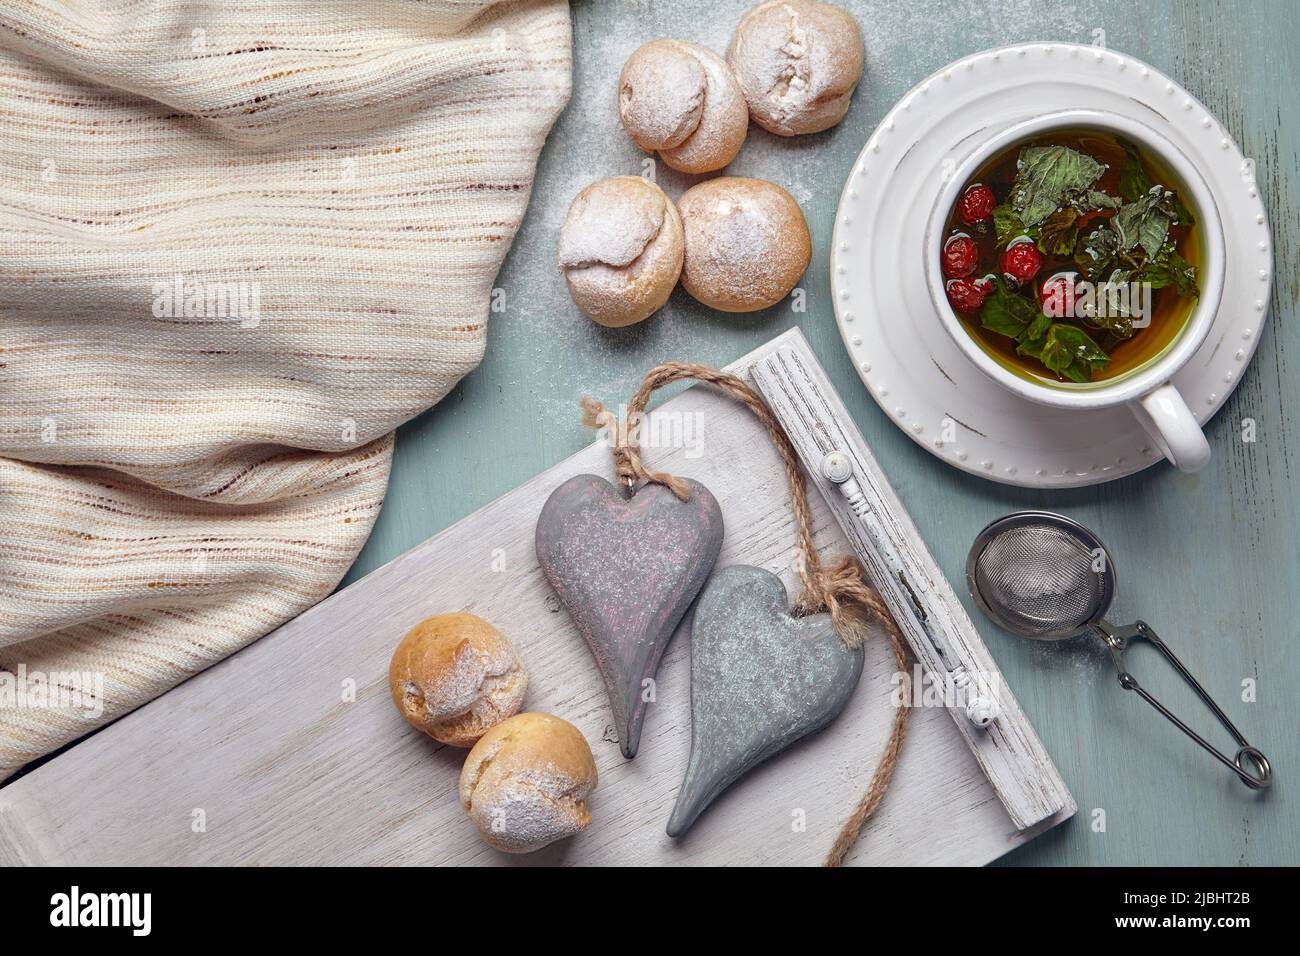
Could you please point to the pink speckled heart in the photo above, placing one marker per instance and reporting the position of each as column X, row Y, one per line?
column 627, row 570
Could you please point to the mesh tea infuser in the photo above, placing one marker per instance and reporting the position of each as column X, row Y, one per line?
column 1044, row 576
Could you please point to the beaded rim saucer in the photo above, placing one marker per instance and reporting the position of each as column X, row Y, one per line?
column 915, row 372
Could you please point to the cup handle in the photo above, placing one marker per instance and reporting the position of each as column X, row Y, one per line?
column 1169, row 422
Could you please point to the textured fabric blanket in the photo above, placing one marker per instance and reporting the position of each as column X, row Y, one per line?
column 239, row 244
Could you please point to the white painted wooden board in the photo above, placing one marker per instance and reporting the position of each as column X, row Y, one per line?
column 927, row 611
column 285, row 771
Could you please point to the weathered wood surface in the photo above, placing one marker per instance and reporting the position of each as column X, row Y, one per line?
column 1211, row 559
column 284, row 770
column 928, row 613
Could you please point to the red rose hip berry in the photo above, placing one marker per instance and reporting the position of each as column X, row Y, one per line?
column 1021, row 262
column 1058, row 295
column 976, row 204
column 960, row 256
column 967, row 295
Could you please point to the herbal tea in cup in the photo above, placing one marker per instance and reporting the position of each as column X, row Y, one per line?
column 1072, row 258
column 1077, row 259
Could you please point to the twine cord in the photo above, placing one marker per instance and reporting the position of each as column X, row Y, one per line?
column 840, row 589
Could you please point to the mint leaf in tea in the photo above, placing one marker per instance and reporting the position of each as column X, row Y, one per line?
column 1071, row 258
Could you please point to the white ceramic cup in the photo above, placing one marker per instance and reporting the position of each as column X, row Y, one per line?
column 1147, row 391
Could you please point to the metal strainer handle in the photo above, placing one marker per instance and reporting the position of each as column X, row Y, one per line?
column 1260, row 774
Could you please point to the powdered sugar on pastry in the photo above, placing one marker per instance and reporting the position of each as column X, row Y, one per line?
column 474, row 672
column 610, row 222
column 661, row 94
column 532, row 807
column 682, row 100
column 526, row 783
column 747, row 243
column 454, row 676
column 621, row 250
column 798, row 62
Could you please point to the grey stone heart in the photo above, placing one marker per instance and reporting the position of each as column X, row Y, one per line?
column 760, row 680
column 627, row 570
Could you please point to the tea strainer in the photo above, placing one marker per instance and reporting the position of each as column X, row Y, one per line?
column 1044, row 576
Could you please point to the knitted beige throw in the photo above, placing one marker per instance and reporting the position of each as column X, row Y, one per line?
column 239, row 244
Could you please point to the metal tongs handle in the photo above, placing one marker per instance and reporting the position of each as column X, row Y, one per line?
column 1117, row 639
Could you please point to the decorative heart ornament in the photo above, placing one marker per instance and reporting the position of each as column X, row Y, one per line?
column 760, row 680
column 627, row 570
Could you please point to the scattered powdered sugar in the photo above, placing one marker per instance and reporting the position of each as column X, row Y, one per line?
column 478, row 678
column 528, row 808
column 797, row 61
column 518, row 798
column 907, row 41
column 794, row 77
column 723, row 122
column 661, row 94
column 737, row 239
column 500, row 696
column 610, row 223
column 771, row 49
column 733, row 238
column 621, row 250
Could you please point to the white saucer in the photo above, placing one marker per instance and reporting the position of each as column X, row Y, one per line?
column 913, row 369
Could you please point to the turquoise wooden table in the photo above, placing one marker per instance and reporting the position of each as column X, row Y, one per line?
column 1211, row 560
